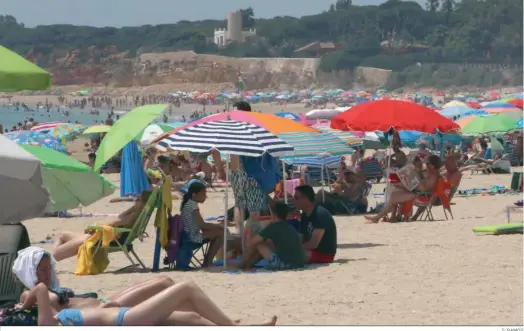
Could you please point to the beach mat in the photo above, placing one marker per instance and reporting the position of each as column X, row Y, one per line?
column 509, row 228
column 261, row 267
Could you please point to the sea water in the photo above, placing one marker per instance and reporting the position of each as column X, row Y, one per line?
column 10, row 117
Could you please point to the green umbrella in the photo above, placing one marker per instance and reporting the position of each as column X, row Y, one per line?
column 70, row 182
column 514, row 116
column 488, row 124
column 126, row 129
column 17, row 73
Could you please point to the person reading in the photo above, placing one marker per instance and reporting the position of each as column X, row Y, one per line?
column 278, row 243
column 402, row 194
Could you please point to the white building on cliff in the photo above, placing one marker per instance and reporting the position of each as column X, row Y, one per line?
column 234, row 32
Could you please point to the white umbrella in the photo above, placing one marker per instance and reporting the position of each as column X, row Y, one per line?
column 322, row 114
column 22, row 195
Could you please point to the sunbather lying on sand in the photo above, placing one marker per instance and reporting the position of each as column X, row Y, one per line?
column 161, row 309
column 35, row 265
column 67, row 243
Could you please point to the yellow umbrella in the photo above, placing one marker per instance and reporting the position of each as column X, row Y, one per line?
column 100, row 128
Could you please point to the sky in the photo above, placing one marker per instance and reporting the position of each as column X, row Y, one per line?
column 120, row 13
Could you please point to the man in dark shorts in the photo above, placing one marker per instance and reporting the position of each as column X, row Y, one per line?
column 278, row 243
column 319, row 231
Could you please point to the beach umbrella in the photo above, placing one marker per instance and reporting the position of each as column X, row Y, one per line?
column 47, row 126
column 152, row 131
column 288, row 115
column 36, row 138
column 473, row 104
column 500, row 107
column 488, row 124
column 17, row 73
column 126, row 129
column 67, row 132
column 456, row 111
column 319, row 114
column 22, row 194
column 381, row 115
column 514, row 116
column 465, row 120
column 100, row 128
column 226, row 136
column 454, row 103
column 133, row 177
column 70, row 182
column 516, row 102
column 306, row 141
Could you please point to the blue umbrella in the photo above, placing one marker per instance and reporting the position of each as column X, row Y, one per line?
column 288, row 115
column 476, row 112
column 455, row 111
column 409, row 138
column 520, row 124
column 36, row 138
column 318, row 161
column 133, row 178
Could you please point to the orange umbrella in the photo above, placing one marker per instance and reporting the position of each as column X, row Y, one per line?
column 465, row 120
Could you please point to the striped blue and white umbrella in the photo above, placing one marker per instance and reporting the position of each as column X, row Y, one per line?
column 228, row 137
column 323, row 160
column 311, row 144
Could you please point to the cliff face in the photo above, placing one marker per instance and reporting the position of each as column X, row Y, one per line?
column 108, row 66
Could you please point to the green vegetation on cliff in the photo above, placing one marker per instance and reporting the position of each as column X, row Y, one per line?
column 394, row 35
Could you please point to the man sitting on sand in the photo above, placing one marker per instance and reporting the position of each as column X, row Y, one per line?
column 278, row 243
column 319, row 231
column 67, row 243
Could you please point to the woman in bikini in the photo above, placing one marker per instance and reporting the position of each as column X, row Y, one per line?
column 165, row 308
column 67, row 243
column 400, row 195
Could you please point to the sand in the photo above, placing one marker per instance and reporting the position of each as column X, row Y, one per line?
column 409, row 273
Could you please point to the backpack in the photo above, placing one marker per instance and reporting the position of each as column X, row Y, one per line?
column 176, row 227
column 11, row 316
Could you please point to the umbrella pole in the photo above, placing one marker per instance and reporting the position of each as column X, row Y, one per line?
column 322, row 182
column 283, row 188
column 389, row 150
column 225, row 213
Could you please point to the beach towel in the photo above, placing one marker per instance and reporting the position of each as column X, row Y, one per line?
column 133, row 178
column 26, row 263
column 290, row 185
column 90, row 262
column 164, row 209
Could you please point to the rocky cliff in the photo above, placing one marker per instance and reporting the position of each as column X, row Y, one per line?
column 108, row 66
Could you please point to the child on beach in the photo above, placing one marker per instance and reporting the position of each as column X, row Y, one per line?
column 278, row 243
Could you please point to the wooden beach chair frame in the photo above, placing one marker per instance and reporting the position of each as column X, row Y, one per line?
column 138, row 231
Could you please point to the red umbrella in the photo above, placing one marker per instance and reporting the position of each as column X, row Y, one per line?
column 382, row 115
column 516, row 102
column 474, row 105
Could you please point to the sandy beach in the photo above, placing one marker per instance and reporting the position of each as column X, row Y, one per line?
column 429, row 273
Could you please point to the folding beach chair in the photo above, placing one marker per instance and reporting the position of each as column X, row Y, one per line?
column 441, row 192
column 187, row 253
column 138, row 231
column 13, row 237
column 371, row 169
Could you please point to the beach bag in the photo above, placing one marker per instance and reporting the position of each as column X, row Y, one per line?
column 12, row 316
column 176, row 227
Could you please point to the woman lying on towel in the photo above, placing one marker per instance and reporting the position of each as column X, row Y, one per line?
column 400, row 195
column 169, row 307
column 67, row 243
column 35, row 265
